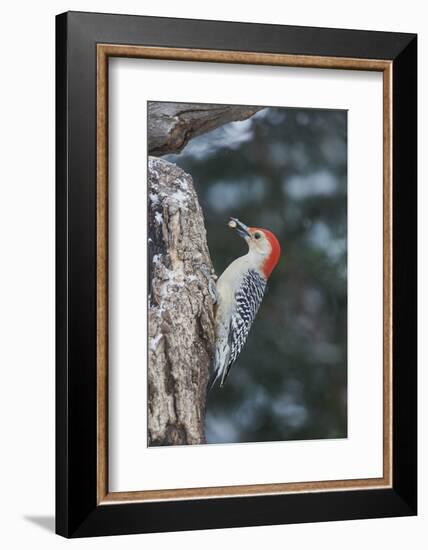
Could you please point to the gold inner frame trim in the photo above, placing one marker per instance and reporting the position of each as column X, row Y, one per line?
column 104, row 51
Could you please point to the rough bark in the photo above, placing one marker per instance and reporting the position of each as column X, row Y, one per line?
column 181, row 319
column 172, row 125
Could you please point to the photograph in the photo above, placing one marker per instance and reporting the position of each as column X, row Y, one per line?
column 235, row 275
column 247, row 273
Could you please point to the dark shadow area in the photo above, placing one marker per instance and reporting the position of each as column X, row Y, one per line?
column 45, row 522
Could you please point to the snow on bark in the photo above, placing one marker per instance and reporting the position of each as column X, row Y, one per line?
column 181, row 317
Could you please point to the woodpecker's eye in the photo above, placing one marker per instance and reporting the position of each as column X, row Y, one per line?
column 257, row 235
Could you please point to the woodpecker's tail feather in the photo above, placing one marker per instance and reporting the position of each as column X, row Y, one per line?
column 218, row 374
column 224, row 375
column 212, row 380
column 221, row 356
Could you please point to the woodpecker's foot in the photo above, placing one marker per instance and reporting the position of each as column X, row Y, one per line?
column 212, row 278
column 213, row 290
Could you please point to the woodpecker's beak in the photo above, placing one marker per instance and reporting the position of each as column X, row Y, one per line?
column 241, row 228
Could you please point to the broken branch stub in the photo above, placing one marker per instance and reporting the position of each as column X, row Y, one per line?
column 172, row 125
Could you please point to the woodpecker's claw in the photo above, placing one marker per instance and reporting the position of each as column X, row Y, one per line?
column 212, row 278
column 213, row 291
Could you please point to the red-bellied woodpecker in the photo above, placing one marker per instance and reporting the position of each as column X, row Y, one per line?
column 240, row 291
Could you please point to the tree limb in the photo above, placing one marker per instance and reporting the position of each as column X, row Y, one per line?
column 172, row 125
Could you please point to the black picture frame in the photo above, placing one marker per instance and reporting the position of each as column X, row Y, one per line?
column 77, row 512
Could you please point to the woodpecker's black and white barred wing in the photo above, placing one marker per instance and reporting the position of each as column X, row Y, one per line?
column 248, row 299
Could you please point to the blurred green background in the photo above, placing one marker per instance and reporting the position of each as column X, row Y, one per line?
column 284, row 169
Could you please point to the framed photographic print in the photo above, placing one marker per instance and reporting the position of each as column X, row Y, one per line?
column 236, row 274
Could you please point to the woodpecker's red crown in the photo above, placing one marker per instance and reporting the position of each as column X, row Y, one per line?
column 275, row 249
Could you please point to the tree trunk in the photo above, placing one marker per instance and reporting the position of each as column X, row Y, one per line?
column 181, row 319
column 172, row 125
column 181, row 313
